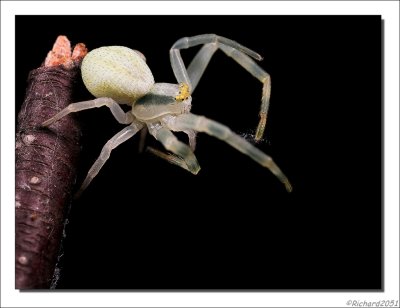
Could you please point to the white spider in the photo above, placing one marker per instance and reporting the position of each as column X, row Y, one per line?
column 119, row 75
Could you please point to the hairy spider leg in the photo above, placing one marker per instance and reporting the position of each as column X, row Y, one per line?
column 111, row 144
column 121, row 116
column 239, row 53
column 172, row 144
column 213, row 128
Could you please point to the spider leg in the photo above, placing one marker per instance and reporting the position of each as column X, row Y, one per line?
column 115, row 108
column 111, row 144
column 213, row 128
column 239, row 53
column 171, row 158
column 192, row 138
column 142, row 140
column 199, row 63
column 172, row 144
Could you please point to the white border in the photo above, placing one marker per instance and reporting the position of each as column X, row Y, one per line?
column 13, row 298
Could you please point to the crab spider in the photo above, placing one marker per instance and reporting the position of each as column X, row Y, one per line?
column 119, row 75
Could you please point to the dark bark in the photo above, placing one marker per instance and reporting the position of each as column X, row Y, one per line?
column 46, row 160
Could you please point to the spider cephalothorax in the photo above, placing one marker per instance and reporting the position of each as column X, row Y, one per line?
column 119, row 75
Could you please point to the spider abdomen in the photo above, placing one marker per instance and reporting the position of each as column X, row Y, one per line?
column 116, row 72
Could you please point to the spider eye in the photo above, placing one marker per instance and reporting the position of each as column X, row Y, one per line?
column 184, row 92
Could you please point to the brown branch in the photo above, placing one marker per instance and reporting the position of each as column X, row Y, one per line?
column 46, row 162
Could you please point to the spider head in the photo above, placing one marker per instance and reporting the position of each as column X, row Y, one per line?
column 163, row 99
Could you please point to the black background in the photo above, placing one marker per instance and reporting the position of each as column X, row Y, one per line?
column 146, row 224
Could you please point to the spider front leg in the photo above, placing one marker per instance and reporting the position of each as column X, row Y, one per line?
column 115, row 108
column 185, row 157
column 239, row 53
column 213, row 128
column 171, row 158
column 111, row 144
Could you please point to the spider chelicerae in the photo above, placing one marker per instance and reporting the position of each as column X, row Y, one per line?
column 119, row 75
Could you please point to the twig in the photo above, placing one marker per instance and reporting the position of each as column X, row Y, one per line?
column 45, row 165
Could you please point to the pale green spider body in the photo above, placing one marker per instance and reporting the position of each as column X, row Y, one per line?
column 122, row 74
column 116, row 72
column 119, row 75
